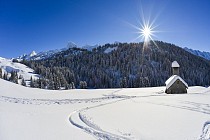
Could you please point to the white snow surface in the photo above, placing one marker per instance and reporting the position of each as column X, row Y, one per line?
column 175, row 64
column 113, row 114
column 172, row 79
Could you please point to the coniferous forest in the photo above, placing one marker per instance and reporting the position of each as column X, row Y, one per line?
column 119, row 65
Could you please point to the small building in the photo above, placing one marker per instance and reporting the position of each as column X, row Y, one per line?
column 175, row 84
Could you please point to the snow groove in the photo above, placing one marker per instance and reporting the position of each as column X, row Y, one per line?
column 88, row 121
column 191, row 106
column 205, row 131
column 58, row 102
column 78, row 119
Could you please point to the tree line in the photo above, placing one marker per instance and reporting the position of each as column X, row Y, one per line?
column 130, row 65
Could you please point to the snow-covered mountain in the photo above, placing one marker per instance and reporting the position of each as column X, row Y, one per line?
column 203, row 54
column 8, row 66
column 27, row 56
column 47, row 54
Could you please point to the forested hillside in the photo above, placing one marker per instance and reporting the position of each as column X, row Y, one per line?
column 119, row 65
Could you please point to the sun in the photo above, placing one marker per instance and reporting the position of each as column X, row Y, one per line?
column 146, row 29
column 146, row 32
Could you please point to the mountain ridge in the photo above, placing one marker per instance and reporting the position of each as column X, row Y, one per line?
column 123, row 65
column 203, row 54
column 46, row 54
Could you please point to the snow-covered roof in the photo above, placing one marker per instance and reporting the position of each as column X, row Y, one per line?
column 175, row 64
column 172, row 79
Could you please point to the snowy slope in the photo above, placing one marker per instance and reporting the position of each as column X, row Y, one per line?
column 136, row 114
column 203, row 54
column 8, row 66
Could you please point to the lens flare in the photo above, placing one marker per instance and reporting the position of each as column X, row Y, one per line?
column 146, row 32
column 145, row 29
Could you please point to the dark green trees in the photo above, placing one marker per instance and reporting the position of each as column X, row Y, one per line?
column 14, row 77
column 23, row 83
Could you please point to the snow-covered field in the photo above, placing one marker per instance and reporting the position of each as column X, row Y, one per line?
column 141, row 113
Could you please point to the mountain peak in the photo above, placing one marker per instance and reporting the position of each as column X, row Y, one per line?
column 33, row 53
column 71, row 45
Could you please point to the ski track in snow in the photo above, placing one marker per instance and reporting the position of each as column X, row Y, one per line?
column 80, row 120
column 58, row 102
column 191, row 106
column 205, row 131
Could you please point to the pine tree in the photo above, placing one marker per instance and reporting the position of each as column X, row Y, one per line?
column 32, row 82
column 51, row 85
column 23, row 83
column 14, row 77
column 81, row 84
column 124, row 82
column 40, row 83
column 73, row 86
column 85, row 84
column 20, row 76
column 5, row 76
column 0, row 73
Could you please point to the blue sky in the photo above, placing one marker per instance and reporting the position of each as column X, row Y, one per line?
column 40, row 25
